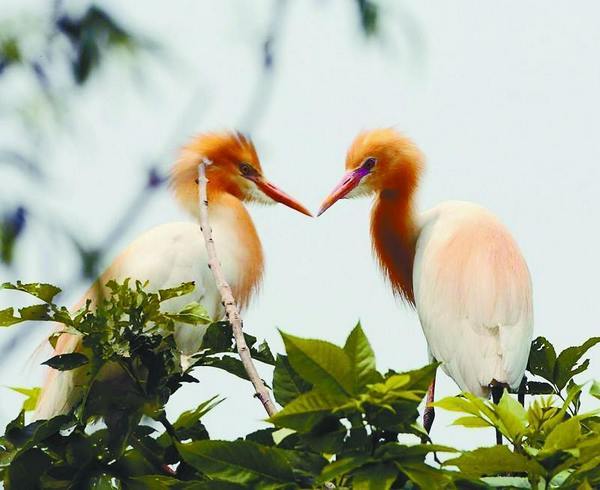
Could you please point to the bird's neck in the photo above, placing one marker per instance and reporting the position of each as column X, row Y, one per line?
column 394, row 233
column 234, row 230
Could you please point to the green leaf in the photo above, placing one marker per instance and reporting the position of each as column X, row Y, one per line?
column 27, row 468
column 39, row 312
column 595, row 390
column 227, row 363
column 190, row 417
column 396, row 451
column 324, row 365
column 375, row 477
column 188, row 425
column 566, row 363
column 362, row 359
column 304, row 463
column 329, row 436
column 423, row 475
column 45, row 292
column 512, row 414
column 238, row 462
column 392, row 390
column 192, row 314
column 29, row 435
column 305, row 411
column 287, row 384
column 421, row 378
column 218, row 338
column 564, row 436
column 457, row 404
column 471, row 421
column 264, row 437
column 66, row 362
column 32, row 395
column 79, row 451
column 8, row 318
column 542, row 358
column 539, row 388
column 343, row 466
column 492, row 460
column 176, row 292
column 263, row 353
column 34, row 312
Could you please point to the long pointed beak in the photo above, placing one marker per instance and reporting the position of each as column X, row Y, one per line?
column 350, row 180
column 278, row 195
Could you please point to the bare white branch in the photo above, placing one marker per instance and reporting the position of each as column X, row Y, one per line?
column 231, row 310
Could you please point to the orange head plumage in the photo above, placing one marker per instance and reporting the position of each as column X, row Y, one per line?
column 386, row 163
column 378, row 161
column 234, row 169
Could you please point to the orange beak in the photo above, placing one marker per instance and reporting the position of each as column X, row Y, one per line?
column 278, row 195
column 350, row 180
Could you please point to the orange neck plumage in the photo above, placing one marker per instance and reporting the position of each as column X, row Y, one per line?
column 225, row 206
column 394, row 235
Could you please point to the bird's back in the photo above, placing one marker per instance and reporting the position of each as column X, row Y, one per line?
column 473, row 296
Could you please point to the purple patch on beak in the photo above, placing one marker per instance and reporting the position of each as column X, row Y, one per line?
column 361, row 172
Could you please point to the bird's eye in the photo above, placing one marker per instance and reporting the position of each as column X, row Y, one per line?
column 369, row 163
column 246, row 169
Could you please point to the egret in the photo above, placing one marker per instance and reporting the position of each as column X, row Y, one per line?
column 456, row 264
column 173, row 253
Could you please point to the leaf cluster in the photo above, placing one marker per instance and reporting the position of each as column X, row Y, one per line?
column 126, row 368
column 342, row 423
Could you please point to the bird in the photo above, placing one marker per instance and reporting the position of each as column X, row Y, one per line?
column 456, row 264
column 173, row 253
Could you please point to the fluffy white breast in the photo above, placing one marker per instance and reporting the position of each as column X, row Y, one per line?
column 473, row 296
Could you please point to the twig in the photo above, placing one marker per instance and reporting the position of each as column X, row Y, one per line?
column 231, row 310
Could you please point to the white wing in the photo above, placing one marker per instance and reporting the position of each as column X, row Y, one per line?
column 473, row 296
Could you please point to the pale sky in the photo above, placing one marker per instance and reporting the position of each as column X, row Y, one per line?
column 504, row 100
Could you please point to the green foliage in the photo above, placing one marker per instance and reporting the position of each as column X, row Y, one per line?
column 32, row 395
column 128, row 366
column 558, row 370
column 340, row 424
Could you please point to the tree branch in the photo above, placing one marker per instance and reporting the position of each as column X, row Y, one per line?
column 231, row 310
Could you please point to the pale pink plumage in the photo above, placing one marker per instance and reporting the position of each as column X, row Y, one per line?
column 473, row 296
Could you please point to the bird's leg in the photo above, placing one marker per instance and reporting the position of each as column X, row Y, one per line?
column 522, row 391
column 429, row 413
column 496, row 395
